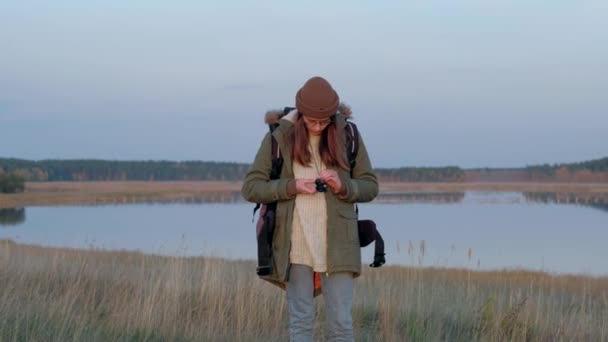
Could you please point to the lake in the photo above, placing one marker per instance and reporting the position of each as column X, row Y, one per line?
column 477, row 230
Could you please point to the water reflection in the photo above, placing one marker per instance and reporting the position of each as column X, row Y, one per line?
column 228, row 197
column 597, row 201
column 12, row 216
column 420, row 197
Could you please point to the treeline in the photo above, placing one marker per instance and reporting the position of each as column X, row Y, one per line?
column 585, row 167
column 104, row 170
column 595, row 165
column 422, row 174
column 107, row 170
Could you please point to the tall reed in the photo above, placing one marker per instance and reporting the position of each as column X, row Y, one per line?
column 51, row 294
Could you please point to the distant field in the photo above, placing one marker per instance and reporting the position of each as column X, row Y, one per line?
column 73, row 193
column 58, row 294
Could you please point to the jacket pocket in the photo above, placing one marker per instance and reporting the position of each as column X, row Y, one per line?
column 348, row 218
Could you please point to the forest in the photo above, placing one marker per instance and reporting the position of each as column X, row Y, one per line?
column 15, row 171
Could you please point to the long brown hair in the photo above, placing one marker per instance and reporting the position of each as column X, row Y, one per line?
column 331, row 146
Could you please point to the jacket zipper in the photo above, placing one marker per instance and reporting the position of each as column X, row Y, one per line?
column 327, row 241
column 286, row 277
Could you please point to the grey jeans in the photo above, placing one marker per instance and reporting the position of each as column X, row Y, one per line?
column 338, row 296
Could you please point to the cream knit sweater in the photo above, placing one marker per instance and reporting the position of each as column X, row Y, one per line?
column 309, row 234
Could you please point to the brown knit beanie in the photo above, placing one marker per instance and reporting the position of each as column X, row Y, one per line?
column 317, row 99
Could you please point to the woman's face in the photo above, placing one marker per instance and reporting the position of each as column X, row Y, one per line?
column 316, row 126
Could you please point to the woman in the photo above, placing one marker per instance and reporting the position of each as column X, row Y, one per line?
column 316, row 224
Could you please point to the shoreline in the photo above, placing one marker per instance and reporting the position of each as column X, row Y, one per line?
column 91, row 193
column 39, row 249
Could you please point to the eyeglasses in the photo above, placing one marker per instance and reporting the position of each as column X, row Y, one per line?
column 313, row 122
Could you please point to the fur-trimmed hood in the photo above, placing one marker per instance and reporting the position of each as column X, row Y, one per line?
column 273, row 116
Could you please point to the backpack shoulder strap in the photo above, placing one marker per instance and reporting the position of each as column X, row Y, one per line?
column 277, row 159
column 352, row 144
column 277, row 162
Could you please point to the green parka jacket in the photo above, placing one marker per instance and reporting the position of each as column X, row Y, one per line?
column 343, row 250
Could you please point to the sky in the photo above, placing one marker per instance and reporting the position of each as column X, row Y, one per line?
column 472, row 83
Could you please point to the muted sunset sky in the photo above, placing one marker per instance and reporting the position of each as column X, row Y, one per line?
column 431, row 83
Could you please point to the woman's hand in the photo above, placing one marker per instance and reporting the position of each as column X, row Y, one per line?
column 305, row 186
column 332, row 179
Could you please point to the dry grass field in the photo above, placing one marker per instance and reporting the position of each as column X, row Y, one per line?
column 52, row 294
column 75, row 193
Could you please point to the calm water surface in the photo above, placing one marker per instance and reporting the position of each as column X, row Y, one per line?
column 473, row 229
